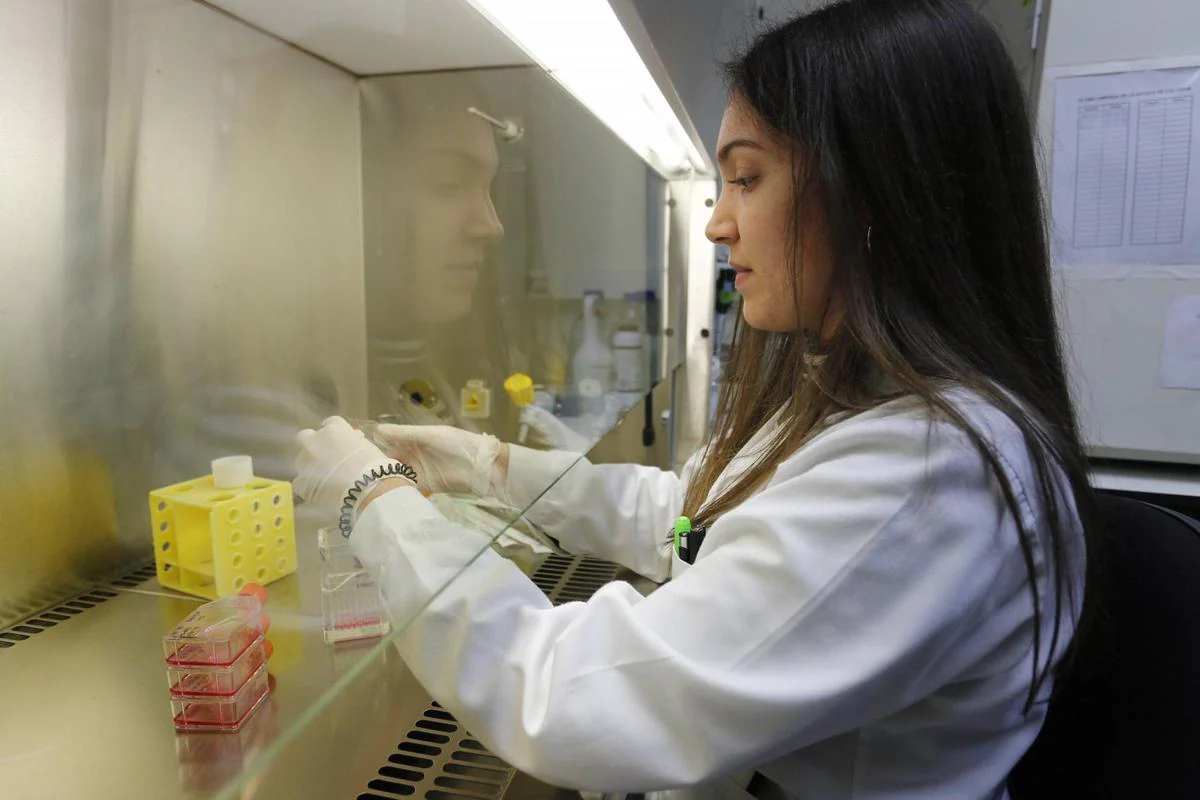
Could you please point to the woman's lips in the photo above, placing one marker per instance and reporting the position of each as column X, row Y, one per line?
column 463, row 275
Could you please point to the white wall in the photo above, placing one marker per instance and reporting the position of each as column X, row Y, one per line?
column 1114, row 328
column 1082, row 31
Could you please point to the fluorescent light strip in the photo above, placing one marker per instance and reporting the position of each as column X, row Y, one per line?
column 582, row 45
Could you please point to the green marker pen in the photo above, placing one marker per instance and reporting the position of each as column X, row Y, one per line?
column 683, row 526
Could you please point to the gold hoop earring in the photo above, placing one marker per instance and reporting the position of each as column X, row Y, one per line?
column 868, row 238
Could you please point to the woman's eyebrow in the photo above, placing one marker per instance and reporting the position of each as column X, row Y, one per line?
column 728, row 147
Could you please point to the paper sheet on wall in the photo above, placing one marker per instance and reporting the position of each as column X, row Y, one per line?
column 1181, row 345
column 1126, row 168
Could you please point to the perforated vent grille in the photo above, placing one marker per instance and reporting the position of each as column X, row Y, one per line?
column 567, row 579
column 437, row 759
column 56, row 615
column 27, row 629
column 135, row 577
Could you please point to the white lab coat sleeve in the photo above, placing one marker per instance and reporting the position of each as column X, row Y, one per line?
column 618, row 512
column 863, row 577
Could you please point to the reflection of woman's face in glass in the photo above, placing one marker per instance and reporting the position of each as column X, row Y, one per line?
column 451, row 216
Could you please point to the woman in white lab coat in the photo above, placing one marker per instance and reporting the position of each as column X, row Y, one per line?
column 894, row 492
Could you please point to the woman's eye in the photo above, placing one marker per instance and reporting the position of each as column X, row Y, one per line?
column 745, row 183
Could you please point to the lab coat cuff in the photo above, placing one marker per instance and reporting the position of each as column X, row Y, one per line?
column 371, row 534
column 414, row 553
column 531, row 472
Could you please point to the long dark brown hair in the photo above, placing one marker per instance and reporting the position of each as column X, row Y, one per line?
column 907, row 116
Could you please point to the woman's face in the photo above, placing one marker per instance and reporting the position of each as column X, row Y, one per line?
column 452, row 219
column 752, row 219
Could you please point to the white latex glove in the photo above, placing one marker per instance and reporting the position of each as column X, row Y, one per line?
column 447, row 460
column 553, row 432
column 331, row 460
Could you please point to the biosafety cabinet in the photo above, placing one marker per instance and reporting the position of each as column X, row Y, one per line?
column 222, row 222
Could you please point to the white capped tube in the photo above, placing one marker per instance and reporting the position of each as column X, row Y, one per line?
column 232, row 472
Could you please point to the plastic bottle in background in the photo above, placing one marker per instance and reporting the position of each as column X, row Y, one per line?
column 556, row 382
column 475, row 401
column 629, row 349
column 592, row 367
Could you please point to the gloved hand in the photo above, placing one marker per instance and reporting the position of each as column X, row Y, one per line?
column 331, row 460
column 553, row 432
column 448, row 460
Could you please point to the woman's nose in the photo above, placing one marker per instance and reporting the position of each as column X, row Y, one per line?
column 721, row 227
column 485, row 222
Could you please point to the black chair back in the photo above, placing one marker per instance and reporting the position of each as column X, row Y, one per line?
column 1125, row 723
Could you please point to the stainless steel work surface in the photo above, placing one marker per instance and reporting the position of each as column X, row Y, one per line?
column 85, row 710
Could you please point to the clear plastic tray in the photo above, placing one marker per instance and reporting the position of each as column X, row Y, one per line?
column 204, row 680
column 221, row 713
column 216, row 633
column 351, row 607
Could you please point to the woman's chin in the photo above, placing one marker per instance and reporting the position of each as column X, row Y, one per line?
column 762, row 317
column 447, row 308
